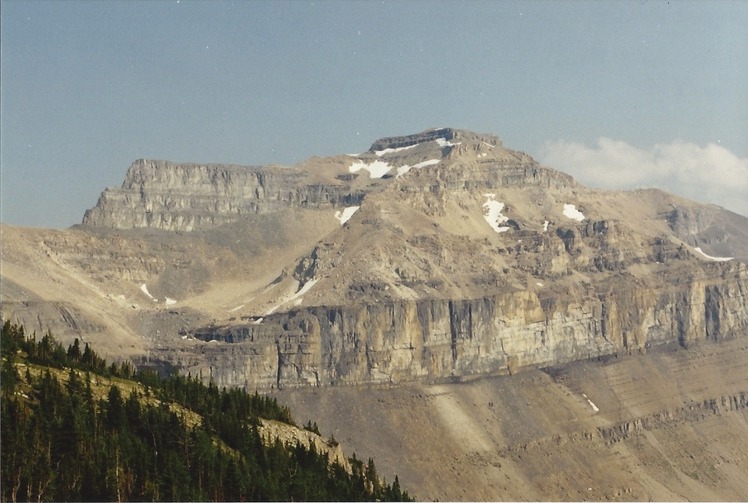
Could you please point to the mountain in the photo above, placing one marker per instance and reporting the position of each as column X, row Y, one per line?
column 433, row 256
column 485, row 326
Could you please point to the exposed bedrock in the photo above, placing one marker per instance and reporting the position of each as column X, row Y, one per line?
column 186, row 197
column 189, row 196
column 435, row 340
column 413, row 139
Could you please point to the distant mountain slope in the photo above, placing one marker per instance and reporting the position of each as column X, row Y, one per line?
column 671, row 425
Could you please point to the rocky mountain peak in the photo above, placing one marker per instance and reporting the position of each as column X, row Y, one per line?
column 191, row 196
column 443, row 137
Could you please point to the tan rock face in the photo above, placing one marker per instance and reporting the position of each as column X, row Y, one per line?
column 437, row 340
column 187, row 197
column 291, row 435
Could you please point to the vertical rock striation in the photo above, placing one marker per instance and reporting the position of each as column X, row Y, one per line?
column 187, row 197
column 435, row 340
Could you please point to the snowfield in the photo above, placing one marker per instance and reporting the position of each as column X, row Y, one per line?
column 715, row 259
column 445, row 143
column 405, row 168
column 304, row 289
column 376, row 169
column 380, row 153
column 144, row 289
column 594, row 407
column 571, row 211
column 346, row 214
column 492, row 213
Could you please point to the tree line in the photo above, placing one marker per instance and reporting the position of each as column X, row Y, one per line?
column 70, row 433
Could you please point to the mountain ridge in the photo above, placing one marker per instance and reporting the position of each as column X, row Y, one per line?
column 445, row 303
column 186, row 257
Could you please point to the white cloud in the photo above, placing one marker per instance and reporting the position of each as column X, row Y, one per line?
column 711, row 174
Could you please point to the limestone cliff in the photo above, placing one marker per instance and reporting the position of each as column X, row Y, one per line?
column 439, row 339
column 186, row 197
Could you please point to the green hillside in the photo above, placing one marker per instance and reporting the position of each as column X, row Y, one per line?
column 75, row 428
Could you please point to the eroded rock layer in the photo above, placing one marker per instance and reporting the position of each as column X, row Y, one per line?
column 440, row 339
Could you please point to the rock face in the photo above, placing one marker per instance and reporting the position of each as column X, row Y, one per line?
column 668, row 425
column 427, row 261
column 187, row 197
column 438, row 340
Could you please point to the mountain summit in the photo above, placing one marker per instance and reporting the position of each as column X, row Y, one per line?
column 187, row 197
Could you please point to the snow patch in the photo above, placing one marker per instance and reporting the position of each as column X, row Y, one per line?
column 236, row 308
column 715, row 259
column 380, row 153
column 594, row 407
column 423, row 164
column 144, row 289
column 346, row 214
column 492, row 213
column 571, row 211
column 304, row 289
column 170, row 302
column 539, row 284
column 487, row 145
column 404, row 169
column 274, row 308
column 376, row 169
column 545, row 226
column 257, row 321
column 445, row 143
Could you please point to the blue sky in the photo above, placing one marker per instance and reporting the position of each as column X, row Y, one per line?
column 620, row 94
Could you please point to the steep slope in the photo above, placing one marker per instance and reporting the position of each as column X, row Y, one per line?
column 423, row 271
column 671, row 425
